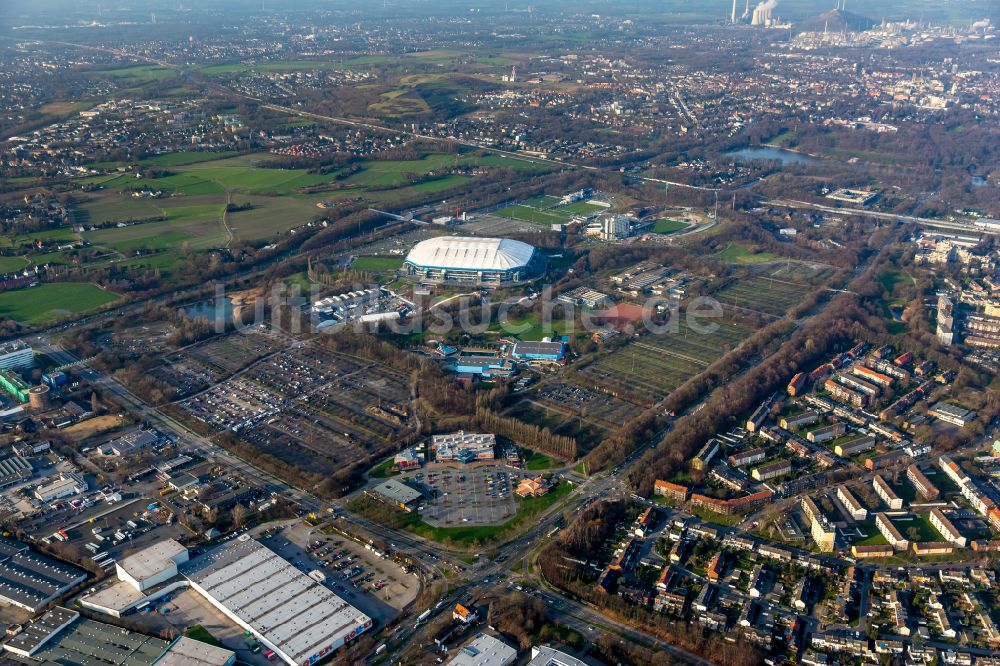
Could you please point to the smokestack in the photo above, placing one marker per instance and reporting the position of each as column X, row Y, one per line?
column 732, row 17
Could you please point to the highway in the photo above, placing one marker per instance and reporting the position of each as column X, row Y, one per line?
column 891, row 217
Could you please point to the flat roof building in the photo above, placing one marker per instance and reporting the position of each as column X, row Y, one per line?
column 538, row 351
column 464, row 447
column 67, row 485
column 189, row 652
column 485, row 650
column 15, row 355
column 395, row 492
column 543, row 655
column 287, row 611
column 61, row 636
column 30, row 580
column 153, row 565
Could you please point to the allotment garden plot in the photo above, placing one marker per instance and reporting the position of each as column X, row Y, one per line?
column 768, row 295
column 650, row 368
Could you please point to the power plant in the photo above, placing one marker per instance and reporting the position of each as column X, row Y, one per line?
column 762, row 14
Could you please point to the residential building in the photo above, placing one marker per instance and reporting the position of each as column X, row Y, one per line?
column 747, row 457
column 705, row 455
column 670, row 490
column 922, row 484
column 948, row 530
column 799, row 420
column 771, row 470
column 890, row 532
column 855, row 446
column 886, row 493
column 851, row 503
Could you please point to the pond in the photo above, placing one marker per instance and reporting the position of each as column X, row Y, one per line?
column 772, row 153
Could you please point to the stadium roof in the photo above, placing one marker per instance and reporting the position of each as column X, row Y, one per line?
column 495, row 254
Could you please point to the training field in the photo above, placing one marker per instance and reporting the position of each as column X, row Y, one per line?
column 654, row 366
column 668, row 226
column 47, row 302
column 546, row 210
column 771, row 296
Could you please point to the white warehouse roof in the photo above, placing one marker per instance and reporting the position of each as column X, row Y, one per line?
column 454, row 252
column 264, row 592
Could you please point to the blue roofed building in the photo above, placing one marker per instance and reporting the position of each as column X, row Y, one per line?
column 546, row 351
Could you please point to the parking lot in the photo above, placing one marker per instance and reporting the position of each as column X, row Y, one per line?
column 471, row 495
column 316, row 410
column 377, row 586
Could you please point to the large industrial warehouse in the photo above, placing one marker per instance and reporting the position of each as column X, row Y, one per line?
column 474, row 261
column 286, row 610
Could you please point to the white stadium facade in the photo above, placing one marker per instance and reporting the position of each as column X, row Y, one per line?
column 474, row 261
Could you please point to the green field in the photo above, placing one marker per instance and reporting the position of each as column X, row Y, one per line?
column 582, row 208
column 740, row 254
column 377, row 264
column 535, row 215
column 531, row 328
column 12, row 264
column 190, row 209
column 668, row 226
column 922, row 523
column 874, row 537
column 50, row 301
column 539, row 461
column 185, row 158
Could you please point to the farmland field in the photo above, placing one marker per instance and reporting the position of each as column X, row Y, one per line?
column 47, row 302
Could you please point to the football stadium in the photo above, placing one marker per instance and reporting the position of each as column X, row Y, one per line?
column 474, row 261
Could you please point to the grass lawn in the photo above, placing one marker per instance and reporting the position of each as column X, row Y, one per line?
column 200, row 633
column 539, row 461
column 740, row 254
column 668, row 226
column 527, row 509
column 528, row 214
column 531, row 328
column 922, row 523
column 377, row 264
column 12, row 264
column 382, row 470
column 874, row 537
column 187, row 157
column 47, row 302
column 582, row 208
